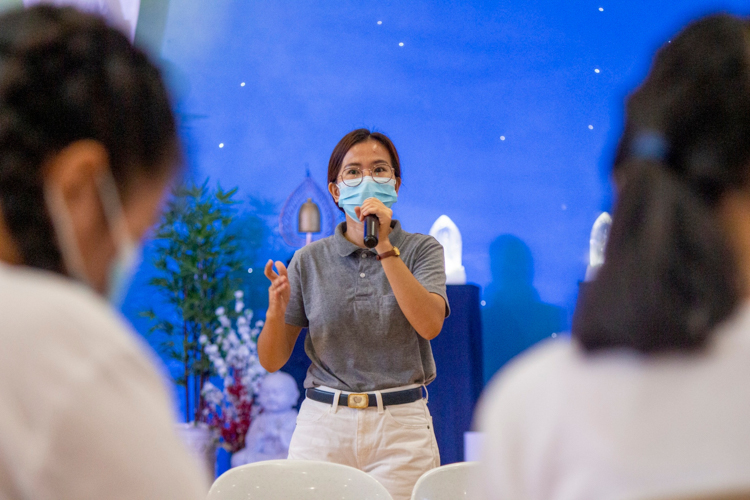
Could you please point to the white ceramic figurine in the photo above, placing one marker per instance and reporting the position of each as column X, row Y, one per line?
column 271, row 431
column 446, row 232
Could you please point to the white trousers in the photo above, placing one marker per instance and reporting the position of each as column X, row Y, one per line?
column 395, row 445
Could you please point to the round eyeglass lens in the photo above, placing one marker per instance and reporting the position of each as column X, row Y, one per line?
column 382, row 173
column 352, row 176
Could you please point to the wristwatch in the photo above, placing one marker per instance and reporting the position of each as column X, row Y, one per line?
column 394, row 252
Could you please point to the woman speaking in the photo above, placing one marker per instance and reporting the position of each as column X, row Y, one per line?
column 370, row 315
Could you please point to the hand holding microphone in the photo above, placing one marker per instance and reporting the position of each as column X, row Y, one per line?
column 377, row 221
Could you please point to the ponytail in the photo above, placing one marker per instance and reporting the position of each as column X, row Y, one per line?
column 668, row 276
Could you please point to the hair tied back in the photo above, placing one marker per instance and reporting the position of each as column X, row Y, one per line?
column 649, row 145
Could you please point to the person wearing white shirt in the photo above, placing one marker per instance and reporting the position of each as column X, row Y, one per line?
column 88, row 147
column 650, row 398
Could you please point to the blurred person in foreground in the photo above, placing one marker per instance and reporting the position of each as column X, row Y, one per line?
column 650, row 399
column 88, row 147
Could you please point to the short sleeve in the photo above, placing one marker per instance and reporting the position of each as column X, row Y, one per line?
column 429, row 269
column 295, row 310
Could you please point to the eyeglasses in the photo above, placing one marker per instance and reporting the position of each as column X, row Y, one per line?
column 380, row 173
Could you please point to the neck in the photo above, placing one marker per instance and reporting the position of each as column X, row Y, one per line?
column 355, row 232
column 734, row 212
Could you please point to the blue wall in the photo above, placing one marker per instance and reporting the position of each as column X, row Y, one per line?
column 468, row 75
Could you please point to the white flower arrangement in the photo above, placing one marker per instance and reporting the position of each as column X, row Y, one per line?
column 234, row 356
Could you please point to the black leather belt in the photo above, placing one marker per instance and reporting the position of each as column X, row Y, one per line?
column 365, row 400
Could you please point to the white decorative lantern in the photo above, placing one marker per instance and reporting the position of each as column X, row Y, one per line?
column 597, row 244
column 447, row 233
column 122, row 14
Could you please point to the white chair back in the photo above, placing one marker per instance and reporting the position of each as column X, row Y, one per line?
column 449, row 482
column 296, row 480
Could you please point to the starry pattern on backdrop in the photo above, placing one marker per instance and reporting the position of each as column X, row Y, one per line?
column 505, row 113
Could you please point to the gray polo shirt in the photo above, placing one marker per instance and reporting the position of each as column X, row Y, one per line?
column 358, row 339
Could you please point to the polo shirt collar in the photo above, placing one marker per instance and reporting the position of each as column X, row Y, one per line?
column 346, row 247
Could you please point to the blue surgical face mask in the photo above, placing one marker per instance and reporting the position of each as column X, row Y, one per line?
column 122, row 270
column 128, row 252
column 351, row 197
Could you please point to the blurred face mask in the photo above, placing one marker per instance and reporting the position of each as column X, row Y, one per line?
column 351, row 197
column 128, row 252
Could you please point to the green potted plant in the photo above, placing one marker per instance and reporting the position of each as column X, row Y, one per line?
column 197, row 261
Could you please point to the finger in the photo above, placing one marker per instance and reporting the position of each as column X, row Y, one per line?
column 373, row 203
column 358, row 212
column 372, row 210
column 277, row 289
column 279, row 284
column 368, row 208
column 281, row 268
column 268, row 271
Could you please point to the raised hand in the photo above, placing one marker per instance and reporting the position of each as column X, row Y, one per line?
column 279, row 291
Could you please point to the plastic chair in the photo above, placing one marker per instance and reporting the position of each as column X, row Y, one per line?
column 449, row 482
column 296, row 480
column 724, row 495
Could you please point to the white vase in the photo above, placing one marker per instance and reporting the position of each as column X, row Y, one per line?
column 202, row 443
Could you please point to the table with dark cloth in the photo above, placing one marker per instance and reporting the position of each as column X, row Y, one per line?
column 458, row 356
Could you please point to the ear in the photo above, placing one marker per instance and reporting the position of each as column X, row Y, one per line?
column 75, row 170
column 334, row 190
column 398, row 184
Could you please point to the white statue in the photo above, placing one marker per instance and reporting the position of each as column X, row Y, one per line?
column 597, row 244
column 122, row 14
column 271, row 431
column 447, row 233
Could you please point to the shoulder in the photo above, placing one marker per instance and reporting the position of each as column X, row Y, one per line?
column 73, row 372
column 418, row 242
column 35, row 298
column 529, row 378
column 318, row 248
column 538, row 364
column 51, row 319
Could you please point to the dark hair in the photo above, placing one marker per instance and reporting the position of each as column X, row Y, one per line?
column 66, row 76
column 669, row 275
column 349, row 141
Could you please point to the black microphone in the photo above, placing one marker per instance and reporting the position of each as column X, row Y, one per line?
column 372, row 228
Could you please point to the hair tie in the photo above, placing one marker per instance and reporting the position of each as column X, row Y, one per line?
column 649, row 145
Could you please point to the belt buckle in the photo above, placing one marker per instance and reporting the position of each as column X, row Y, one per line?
column 358, row 401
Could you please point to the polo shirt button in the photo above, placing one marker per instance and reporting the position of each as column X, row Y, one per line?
column 364, row 255
column 361, row 275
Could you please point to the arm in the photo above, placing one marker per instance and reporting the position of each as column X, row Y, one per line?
column 277, row 339
column 424, row 310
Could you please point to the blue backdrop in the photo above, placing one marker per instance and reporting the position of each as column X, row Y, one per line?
column 504, row 113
